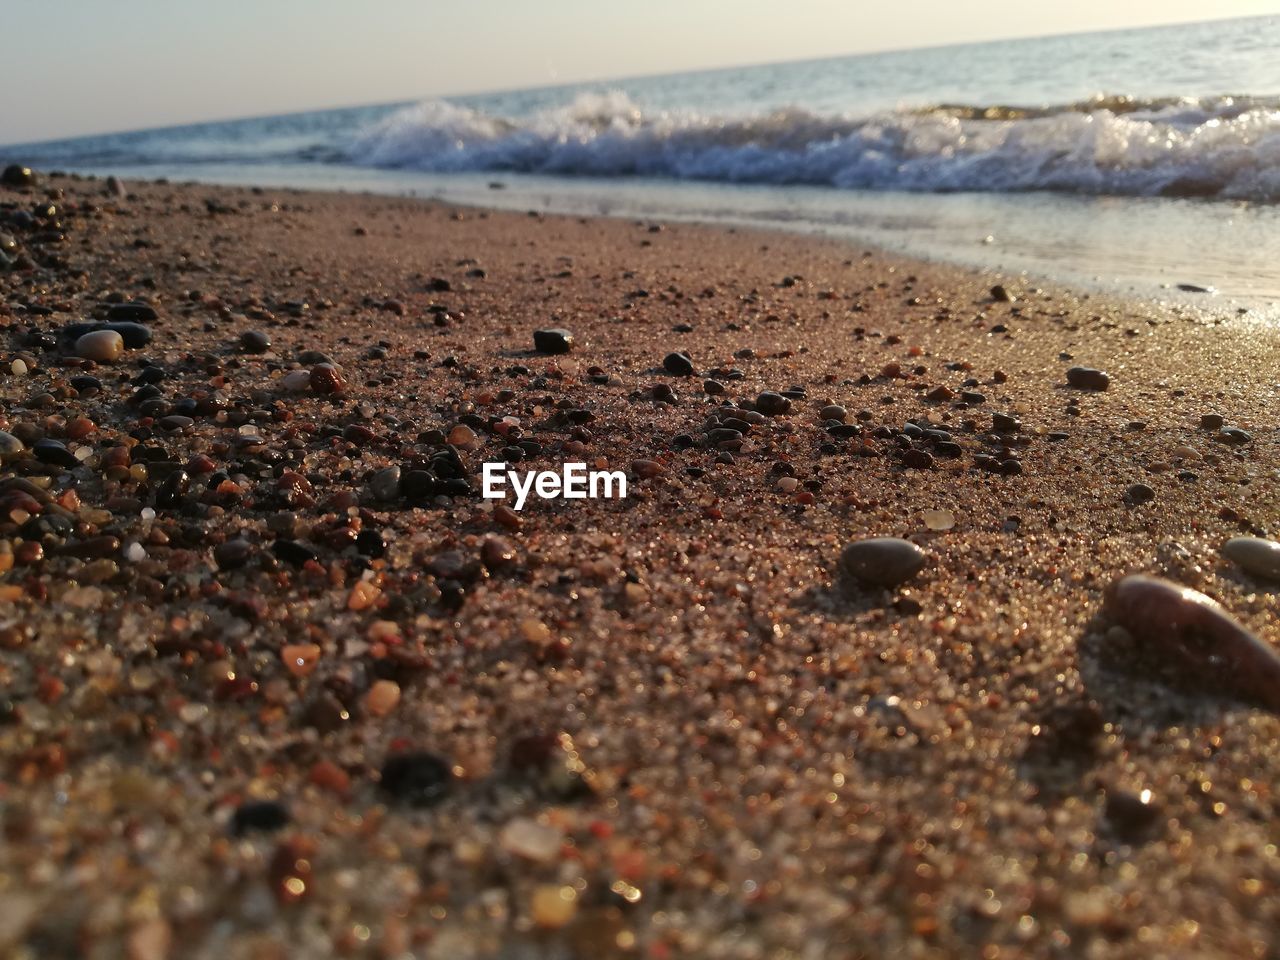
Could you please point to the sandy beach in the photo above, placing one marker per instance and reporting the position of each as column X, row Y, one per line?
column 265, row 696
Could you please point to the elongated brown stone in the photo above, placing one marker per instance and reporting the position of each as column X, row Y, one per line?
column 1193, row 633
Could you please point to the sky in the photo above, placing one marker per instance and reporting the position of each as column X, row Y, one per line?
column 90, row 66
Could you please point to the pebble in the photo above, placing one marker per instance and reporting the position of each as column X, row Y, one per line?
column 939, row 520
column 1087, row 378
column 553, row 340
column 325, row 379
column 833, row 412
column 1192, row 633
column 136, row 335
column 54, row 452
column 133, row 310
column 1212, row 421
column 1255, row 556
column 1138, row 494
column 255, row 341
column 232, row 554
column 264, row 815
column 297, row 381
column 531, row 840
column 10, row 447
column 100, row 346
column 553, row 906
column 300, row 659
column 882, row 561
column 1003, row 423
column 772, row 404
column 16, row 175
column 1234, row 436
column 678, row 364
column 416, row 777
column 382, row 698
column 385, row 483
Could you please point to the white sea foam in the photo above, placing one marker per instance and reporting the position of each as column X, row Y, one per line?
column 1221, row 147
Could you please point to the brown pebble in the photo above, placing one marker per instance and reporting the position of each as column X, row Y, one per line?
column 882, row 561
column 1191, row 632
column 325, row 379
column 100, row 346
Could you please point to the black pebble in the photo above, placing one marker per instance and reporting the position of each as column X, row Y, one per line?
column 265, row 815
column 554, row 340
column 291, row 551
column 678, row 364
column 52, row 451
column 417, row 778
column 132, row 311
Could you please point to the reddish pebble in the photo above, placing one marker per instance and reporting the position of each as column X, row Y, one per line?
column 300, row 659
column 326, row 379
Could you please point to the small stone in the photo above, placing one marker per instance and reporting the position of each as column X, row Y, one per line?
column 833, row 411
column 497, row 553
column 1255, row 556
column 554, row 340
column 647, row 469
column 10, row 447
column 1131, row 815
column 16, row 175
column 1234, row 436
column 232, row 554
column 1193, row 635
column 939, row 520
column 1003, row 423
column 678, row 364
column 325, row 379
column 1138, row 494
column 1212, row 421
column 135, row 335
column 553, row 906
column 531, row 840
column 462, row 436
column 297, row 381
column 712, row 388
column 917, row 459
column 262, row 815
column 100, row 346
column 882, row 561
column 417, row 778
column 300, row 659
column 255, row 341
column 772, row 404
column 385, row 483
column 53, row 451
column 133, row 310
column 1087, row 378
column 382, row 698
column 1002, row 295
column 787, row 484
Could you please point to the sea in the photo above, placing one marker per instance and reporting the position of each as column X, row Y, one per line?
column 1140, row 161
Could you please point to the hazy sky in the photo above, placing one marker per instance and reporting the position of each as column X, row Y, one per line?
column 82, row 66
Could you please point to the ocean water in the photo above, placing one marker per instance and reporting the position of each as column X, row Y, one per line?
column 1135, row 160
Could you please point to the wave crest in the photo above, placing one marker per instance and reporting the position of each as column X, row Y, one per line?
column 1223, row 147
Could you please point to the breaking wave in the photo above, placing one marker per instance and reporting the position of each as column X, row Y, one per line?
column 1216, row 147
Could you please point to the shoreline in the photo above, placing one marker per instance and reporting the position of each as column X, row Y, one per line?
column 316, row 710
column 867, row 219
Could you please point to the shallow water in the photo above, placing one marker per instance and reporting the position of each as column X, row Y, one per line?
column 1134, row 160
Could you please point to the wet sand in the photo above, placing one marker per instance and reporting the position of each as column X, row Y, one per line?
column 254, row 707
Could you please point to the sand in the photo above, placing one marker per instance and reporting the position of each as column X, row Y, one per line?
column 669, row 729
